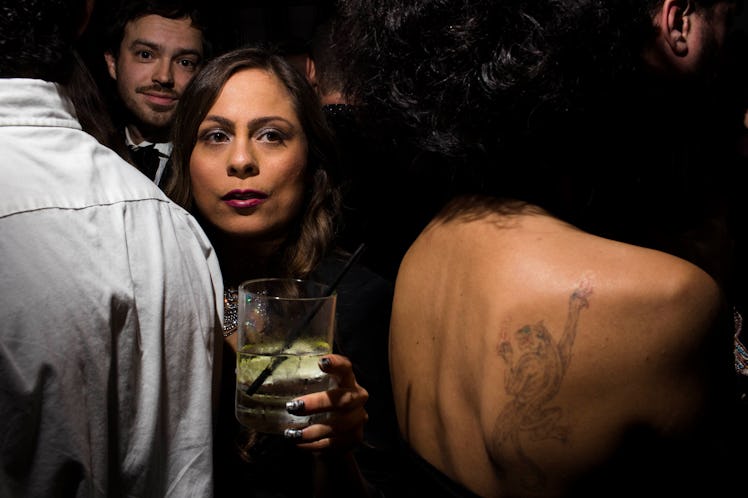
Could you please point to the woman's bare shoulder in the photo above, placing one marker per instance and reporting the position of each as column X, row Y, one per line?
column 527, row 262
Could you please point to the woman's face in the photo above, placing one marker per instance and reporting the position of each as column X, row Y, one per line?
column 247, row 167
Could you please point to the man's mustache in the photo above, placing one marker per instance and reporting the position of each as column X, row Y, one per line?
column 160, row 89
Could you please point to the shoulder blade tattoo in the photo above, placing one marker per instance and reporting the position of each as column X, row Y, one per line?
column 533, row 378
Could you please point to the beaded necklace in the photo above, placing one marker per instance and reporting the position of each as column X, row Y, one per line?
column 230, row 310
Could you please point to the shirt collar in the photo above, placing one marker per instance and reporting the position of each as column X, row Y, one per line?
column 164, row 148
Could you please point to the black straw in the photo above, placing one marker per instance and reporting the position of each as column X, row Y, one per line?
column 294, row 334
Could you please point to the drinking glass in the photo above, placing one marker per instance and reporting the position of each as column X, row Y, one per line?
column 284, row 326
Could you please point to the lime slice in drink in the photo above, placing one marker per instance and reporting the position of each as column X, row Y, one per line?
column 249, row 368
column 309, row 346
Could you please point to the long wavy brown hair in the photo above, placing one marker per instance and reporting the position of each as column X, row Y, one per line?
column 312, row 236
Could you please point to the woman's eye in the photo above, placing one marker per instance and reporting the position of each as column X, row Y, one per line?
column 215, row 137
column 270, row 136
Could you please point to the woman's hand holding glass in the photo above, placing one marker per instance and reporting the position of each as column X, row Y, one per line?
column 344, row 427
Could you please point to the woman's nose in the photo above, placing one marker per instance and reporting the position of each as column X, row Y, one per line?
column 242, row 160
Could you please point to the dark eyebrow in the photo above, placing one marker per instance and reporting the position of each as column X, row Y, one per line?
column 220, row 120
column 148, row 44
column 266, row 119
column 189, row 51
column 157, row 48
column 255, row 123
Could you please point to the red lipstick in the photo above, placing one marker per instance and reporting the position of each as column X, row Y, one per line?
column 243, row 199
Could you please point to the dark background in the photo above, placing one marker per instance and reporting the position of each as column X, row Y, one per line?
column 233, row 24
column 282, row 23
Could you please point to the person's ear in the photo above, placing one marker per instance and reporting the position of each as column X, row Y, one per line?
column 310, row 70
column 675, row 22
column 111, row 64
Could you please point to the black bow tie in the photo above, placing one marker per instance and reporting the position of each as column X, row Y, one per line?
column 146, row 159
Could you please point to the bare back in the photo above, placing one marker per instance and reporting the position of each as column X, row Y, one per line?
column 526, row 353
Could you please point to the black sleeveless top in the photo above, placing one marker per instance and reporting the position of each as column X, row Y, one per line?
column 262, row 466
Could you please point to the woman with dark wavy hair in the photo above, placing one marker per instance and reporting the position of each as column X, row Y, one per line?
column 255, row 162
column 299, row 247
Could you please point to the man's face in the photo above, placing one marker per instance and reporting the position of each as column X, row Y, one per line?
column 158, row 57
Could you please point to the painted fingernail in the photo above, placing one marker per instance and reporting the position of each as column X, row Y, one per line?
column 295, row 405
column 324, row 363
column 292, row 433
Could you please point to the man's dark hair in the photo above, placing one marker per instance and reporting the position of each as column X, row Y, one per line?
column 37, row 38
column 130, row 10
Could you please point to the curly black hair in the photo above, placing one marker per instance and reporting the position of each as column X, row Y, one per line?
column 458, row 71
column 548, row 101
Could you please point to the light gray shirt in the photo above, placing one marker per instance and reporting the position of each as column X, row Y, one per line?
column 110, row 309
